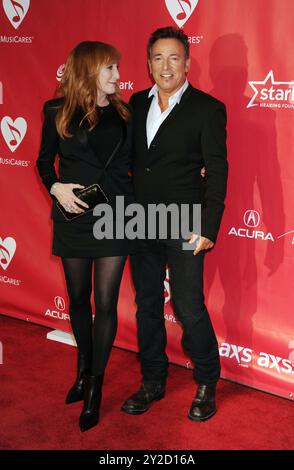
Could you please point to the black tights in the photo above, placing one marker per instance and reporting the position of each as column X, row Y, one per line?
column 94, row 339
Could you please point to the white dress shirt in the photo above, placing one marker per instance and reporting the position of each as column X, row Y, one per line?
column 155, row 116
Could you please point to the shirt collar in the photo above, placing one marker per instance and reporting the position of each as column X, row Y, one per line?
column 176, row 98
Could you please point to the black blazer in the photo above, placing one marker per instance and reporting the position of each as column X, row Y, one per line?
column 192, row 136
column 78, row 162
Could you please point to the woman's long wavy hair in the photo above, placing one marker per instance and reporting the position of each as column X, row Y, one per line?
column 78, row 85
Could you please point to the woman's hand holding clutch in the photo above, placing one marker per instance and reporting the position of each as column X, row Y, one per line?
column 66, row 197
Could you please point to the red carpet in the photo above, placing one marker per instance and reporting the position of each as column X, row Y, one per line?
column 37, row 373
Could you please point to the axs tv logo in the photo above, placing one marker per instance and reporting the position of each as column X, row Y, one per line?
column 244, row 356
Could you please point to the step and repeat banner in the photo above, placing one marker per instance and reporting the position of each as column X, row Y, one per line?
column 241, row 53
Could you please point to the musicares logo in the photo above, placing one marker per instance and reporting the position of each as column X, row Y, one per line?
column 7, row 250
column 181, row 10
column 13, row 131
column 16, row 11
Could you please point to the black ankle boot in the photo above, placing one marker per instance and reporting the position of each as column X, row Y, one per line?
column 203, row 406
column 141, row 401
column 92, row 400
column 76, row 393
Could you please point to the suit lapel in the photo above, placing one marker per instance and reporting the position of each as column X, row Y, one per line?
column 142, row 118
column 173, row 113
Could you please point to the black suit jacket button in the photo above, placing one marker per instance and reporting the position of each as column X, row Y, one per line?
column 147, row 169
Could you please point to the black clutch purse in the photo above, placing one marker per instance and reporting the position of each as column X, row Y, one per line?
column 91, row 195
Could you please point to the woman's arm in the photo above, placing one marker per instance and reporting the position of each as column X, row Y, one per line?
column 45, row 164
column 48, row 148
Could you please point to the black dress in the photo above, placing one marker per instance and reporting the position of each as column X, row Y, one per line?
column 81, row 160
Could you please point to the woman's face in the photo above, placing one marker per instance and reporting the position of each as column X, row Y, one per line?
column 107, row 79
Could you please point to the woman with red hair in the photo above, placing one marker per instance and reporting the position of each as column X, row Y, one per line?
column 88, row 127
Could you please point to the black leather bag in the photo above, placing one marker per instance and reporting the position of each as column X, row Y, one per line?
column 91, row 195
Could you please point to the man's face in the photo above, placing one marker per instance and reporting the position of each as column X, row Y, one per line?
column 168, row 65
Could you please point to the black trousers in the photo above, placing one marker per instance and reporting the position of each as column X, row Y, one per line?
column 186, row 281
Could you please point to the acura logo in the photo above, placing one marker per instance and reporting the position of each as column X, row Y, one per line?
column 59, row 303
column 251, row 218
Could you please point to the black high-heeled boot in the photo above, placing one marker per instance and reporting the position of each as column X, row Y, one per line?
column 92, row 400
column 76, row 393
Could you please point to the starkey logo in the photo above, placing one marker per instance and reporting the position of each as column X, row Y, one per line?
column 181, row 10
column 289, row 235
column 128, row 85
column 269, row 93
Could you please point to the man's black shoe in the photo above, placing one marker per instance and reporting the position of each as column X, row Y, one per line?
column 203, row 406
column 142, row 399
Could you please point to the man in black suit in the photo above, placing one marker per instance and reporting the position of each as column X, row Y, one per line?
column 177, row 131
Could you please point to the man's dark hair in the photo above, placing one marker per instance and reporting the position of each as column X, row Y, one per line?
column 166, row 33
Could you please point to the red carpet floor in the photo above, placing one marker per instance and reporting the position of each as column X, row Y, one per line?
column 37, row 373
